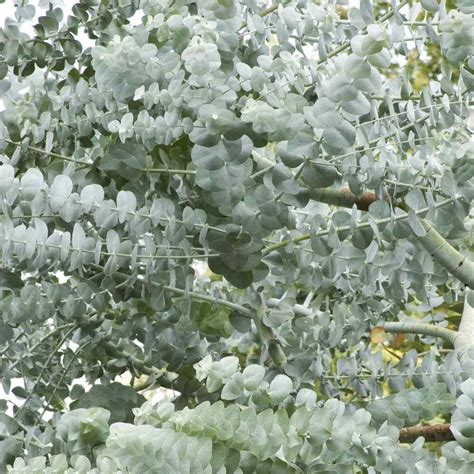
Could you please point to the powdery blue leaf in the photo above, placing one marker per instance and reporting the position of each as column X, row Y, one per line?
column 306, row 397
column 233, row 388
column 217, row 120
column 202, row 367
column 19, row 240
column 59, row 191
column 106, row 216
column 78, row 236
column 125, row 129
column 114, row 126
column 201, row 57
column 5, row 85
column 71, row 210
column 124, row 159
column 380, row 210
column 382, row 59
column 49, row 23
column 261, row 115
column 415, row 200
column 357, row 67
column 415, row 224
column 220, row 372
column 227, row 366
column 41, row 230
column 340, row 136
column 147, row 51
column 323, row 114
column 30, row 239
column 127, row 204
column 31, row 183
column 358, row 106
column 90, row 195
column 370, row 84
column 253, row 376
column 52, row 244
column 361, row 238
column 280, row 387
column 244, row 70
column 290, row 17
column 7, row 175
column 455, row 36
column 223, row 10
column 113, row 241
column 339, row 89
column 430, row 5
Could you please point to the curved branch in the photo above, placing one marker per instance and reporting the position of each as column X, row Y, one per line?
column 420, row 328
column 446, row 255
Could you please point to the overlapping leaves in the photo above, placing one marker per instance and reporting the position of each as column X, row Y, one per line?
column 194, row 131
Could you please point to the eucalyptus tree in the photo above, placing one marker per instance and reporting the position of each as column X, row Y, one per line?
column 256, row 206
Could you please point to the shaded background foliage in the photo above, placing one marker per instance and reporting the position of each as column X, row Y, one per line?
column 315, row 157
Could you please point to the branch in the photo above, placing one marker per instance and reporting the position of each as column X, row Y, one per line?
column 347, row 44
column 348, row 228
column 86, row 163
column 420, row 328
column 439, row 432
column 61, row 378
column 266, row 335
column 274, row 349
column 46, row 365
column 6, row 436
column 343, row 197
column 48, row 153
column 299, row 309
column 262, row 14
column 52, row 332
column 438, row 247
column 446, row 255
column 156, row 377
column 268, row 338
column 198, row 296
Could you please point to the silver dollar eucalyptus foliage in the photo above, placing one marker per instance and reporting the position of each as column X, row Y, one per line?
column 257, row 206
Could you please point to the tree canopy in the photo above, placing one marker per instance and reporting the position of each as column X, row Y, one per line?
column 264, row 208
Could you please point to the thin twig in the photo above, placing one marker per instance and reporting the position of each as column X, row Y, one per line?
column 441, row 432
